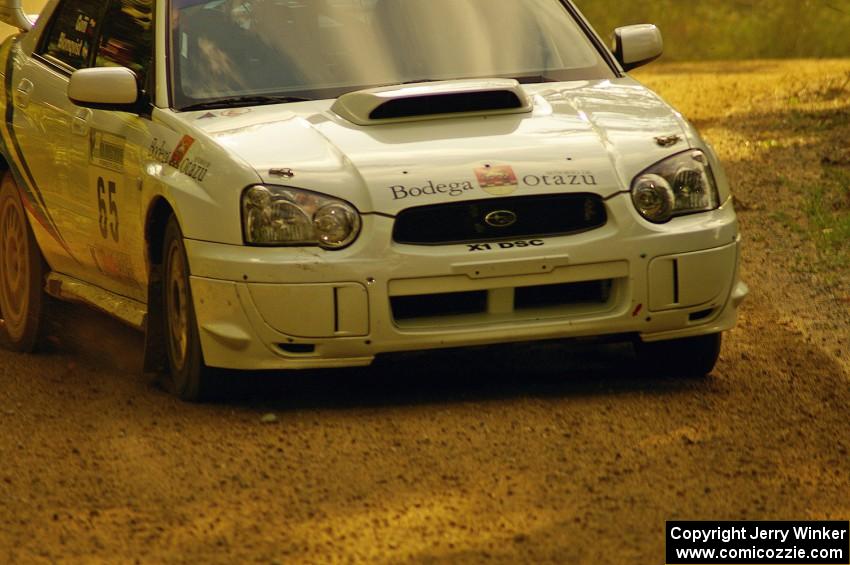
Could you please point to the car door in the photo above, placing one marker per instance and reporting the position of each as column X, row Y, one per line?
column 86, row 162
column 109, row 174
column 43, row 121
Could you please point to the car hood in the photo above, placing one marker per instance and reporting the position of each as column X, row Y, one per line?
column 579, row 137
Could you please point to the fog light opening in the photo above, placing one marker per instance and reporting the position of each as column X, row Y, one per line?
column 701, row 315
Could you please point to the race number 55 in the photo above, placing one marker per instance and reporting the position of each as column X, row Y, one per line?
column 107, row 208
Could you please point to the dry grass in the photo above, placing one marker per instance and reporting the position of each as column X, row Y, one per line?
column 733, row 29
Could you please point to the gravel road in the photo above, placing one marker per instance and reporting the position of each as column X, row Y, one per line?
column 548, row 453
column 519, row 454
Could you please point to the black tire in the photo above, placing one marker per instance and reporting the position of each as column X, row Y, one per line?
column 22, row 272
column 190, row 377
column 688, row 357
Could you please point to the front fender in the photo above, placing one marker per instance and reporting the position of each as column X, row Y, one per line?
column 200, row 180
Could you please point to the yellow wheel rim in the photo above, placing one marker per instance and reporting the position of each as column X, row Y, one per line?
column 14, row 268
column 177, row 306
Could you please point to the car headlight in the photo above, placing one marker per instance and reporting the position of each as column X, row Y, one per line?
column 281, row 215
column 679, row 185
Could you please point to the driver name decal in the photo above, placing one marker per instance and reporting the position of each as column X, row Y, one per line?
column 70, row 46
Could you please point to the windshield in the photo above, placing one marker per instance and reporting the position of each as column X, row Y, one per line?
column 226, row 50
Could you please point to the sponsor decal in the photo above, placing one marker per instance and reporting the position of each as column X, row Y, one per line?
column 193, row 167
column 430, row 188
column 106, row 150
column 158, row 151
column 505, row 245
column 180, row 151
column 233, row 112
column 560, row 178
column 113, row 263
column 498, row 180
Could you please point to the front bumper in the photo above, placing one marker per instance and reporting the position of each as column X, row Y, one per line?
column 281, row 308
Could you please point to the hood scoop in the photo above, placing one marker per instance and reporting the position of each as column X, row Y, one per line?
column 433, row 101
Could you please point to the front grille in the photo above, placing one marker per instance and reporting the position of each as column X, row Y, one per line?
column 520, row 303
column 532, row 216
column 588, row 292
column 445, row 304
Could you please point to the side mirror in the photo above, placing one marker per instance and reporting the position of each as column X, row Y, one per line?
column 637, row 45
column 104, row 88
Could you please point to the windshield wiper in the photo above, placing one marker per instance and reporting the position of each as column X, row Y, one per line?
column 235, row 101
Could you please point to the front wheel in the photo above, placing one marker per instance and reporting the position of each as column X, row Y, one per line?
column 22, row 271
column 190, row 377
column 687, row 357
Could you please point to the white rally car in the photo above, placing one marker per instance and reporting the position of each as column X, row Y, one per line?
column 286, row 184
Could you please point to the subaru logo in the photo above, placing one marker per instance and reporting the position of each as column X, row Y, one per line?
column 500, row 219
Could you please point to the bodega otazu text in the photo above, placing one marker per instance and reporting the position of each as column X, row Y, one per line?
column 726, row 535
column 456, row 188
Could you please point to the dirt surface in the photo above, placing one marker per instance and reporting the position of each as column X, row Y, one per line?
column 547, row 453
